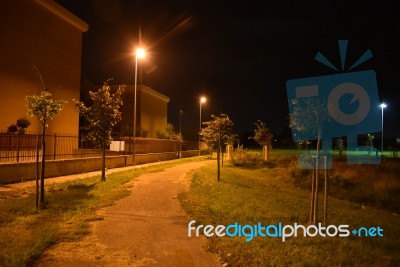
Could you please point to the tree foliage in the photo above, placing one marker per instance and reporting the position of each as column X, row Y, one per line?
column 308, row 116
column 103, row 116
column 43, row 106
column 169, row 133
column 217, row 131
column 262, row 135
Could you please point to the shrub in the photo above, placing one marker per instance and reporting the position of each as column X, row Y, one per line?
column 12, row 128
column 23, row 123
column 243, row 157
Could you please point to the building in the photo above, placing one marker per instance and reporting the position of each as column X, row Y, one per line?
column 151, row 113
column 39, row 33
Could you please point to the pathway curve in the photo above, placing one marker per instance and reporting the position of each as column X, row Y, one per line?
column 147, row 228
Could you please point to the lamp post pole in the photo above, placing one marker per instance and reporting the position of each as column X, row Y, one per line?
column 383, row 105
column 180, row 133
column 202, row 100
column 140, row 53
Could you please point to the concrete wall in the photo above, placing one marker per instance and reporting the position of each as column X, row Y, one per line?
column 17, row 172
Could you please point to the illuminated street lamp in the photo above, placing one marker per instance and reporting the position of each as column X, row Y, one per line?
column 139, row 53
column 383, row 106
column 202, row 100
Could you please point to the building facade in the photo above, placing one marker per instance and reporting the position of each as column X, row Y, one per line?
column 39, row 36
column 151, row 112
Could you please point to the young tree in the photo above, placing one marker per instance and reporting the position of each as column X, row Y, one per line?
column 44, row 108
column 102, row 116
column 308, row 117
column 263, row 136
column 216, row 134
column 370, row 143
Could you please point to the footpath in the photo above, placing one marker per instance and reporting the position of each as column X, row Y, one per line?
column 147, row 228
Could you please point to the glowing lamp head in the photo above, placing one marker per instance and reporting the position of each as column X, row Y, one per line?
column 140, row 53
column 203, row 100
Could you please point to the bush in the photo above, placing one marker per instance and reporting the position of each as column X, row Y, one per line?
column 23, row 123
column 244, row 158
column 12, row 128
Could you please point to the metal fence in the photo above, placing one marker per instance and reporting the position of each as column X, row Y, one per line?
column 18, row 147
column 23, row 147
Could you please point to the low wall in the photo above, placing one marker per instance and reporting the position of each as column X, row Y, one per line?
column 25, row 171
column 154, row 157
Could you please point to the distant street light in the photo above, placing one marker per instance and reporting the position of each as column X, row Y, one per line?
column 139, row 53
column 202, row 100
column 383, row 106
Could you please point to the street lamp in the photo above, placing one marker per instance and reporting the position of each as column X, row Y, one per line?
column 139, row 53
column 202, row 100
column 383, row 105
column 180, row 133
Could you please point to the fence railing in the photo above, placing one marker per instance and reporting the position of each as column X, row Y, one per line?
column 22, row 147
column 17, row 147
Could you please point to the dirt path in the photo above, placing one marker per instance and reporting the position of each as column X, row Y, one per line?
column 147, row 228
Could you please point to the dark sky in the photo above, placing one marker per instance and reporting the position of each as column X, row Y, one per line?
column 238, row 54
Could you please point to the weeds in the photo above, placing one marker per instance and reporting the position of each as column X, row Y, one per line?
column 370, row 185
column 268, row 195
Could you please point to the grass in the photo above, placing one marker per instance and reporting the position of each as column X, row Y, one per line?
column 26, row 232
column 376, row 185
column 268, row 194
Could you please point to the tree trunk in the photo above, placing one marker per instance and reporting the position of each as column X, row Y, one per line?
column 229, row 152
column 42, row 204
column 218, row 163
column 312, row 195
column 103, row 163
column 265, row 152
column 219, row 151
column 315, row 208
column 315, row 216
column 37, row 172
column 326, row 193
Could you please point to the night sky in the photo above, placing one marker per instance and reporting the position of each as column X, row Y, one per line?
column 237, row 54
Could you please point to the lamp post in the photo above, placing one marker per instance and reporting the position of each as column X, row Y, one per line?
column 383, row 106
column 180, row 133
column 139, row 53
column 202, row 100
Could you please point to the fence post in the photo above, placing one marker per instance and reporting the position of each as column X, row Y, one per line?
column 55, row 146
column 18, row 147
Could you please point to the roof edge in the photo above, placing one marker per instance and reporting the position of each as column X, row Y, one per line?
column 64, row 14
column 154, row 93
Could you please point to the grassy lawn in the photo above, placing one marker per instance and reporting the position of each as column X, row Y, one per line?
column 25, row 232
column 270, row 194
